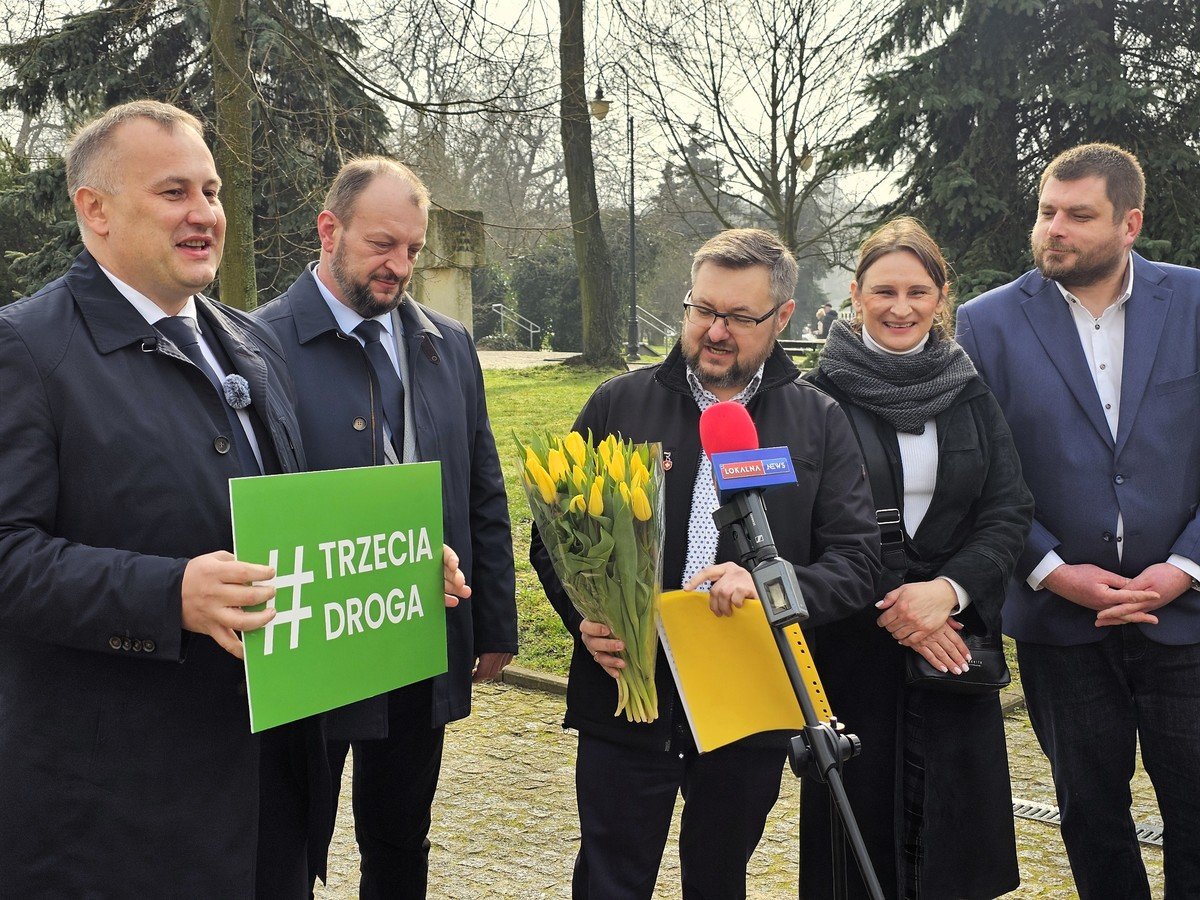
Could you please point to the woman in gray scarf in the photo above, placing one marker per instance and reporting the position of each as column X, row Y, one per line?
column 931, row 788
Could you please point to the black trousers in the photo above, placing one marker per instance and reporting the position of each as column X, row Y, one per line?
column 1091, row 705
column 295, row 818
column 626, row 797
column 394, row 781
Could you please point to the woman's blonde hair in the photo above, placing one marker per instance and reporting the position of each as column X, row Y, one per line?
column 907, row 234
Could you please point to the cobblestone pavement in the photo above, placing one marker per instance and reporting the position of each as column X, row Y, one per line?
column 504, row 822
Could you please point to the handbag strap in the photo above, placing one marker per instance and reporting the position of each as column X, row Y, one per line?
column 883, row 489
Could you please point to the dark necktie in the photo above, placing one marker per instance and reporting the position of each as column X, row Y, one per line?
column 181, row 331
column 391, row 388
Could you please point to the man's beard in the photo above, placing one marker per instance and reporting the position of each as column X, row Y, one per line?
column 737, row 376
column 357, row 294
column 1084, row 270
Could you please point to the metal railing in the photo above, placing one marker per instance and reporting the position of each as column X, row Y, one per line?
column 649, row 322
column 507, row 315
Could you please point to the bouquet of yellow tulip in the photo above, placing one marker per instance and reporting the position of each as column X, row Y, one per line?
column 598, row 510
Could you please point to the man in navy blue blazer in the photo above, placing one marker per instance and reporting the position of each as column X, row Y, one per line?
column 1095, row 360
column 381, row 379
column 127, row 766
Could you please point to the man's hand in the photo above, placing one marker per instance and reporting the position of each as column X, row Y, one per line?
column 1163, row 581
column 1096, row 588
column 731, row 586
column 944, row 649
column 489, row 666
column 913, row 612
column 454, row 581
column 215, row 588
column 598, row 641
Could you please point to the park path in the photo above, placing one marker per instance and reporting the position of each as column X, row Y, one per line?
column 504, row 822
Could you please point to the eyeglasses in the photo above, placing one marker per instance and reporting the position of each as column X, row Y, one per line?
column 735, row 322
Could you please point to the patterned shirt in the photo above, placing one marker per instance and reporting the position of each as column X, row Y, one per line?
column 702, row 530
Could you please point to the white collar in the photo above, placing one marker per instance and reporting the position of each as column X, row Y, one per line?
column 1125, row 294
column 150, row 311
column 347, row 319
column 878, row 348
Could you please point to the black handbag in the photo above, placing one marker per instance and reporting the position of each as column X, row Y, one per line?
column 987, row 671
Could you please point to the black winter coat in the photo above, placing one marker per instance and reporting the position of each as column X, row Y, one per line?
column 973, row 533
column 824, row 524
column 127, row 766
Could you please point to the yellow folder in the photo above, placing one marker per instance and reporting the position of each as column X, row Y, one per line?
column 729, row 672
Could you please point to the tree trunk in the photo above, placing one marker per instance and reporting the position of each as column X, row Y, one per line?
column 232, row 90
column 601, row 311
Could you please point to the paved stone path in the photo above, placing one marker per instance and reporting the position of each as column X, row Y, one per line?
column 519, row 359
column 505, row 825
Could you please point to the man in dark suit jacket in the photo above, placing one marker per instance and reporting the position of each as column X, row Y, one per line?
column 1095, row 360
column 382, row 379
column 128, row 767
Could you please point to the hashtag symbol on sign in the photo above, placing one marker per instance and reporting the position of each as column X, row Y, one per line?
column 298, row 611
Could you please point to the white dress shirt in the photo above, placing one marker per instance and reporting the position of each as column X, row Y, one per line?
column 1103, row 341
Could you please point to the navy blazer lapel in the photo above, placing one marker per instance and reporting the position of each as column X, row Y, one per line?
column 1051, row 320
column 244, row 356
column 423, row 355
column 1145, row 314
column 111, row 319
column 310, row 312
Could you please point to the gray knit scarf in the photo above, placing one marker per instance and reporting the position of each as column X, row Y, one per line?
column 904, row 391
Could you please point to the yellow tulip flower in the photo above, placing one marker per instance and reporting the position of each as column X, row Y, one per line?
column 641, row 504
column 540, row 477
column 616, row 467
column 557, row 464
column 596, row 499
column 578, row 504
column 576, row 447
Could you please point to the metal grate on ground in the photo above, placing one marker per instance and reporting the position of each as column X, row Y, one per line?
column 1041, row 812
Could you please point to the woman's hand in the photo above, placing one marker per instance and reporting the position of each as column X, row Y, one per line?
column 944, row 649
column 598, row 641
column 912, row 612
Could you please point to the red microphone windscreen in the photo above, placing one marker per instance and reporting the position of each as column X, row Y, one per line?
column 725, row 427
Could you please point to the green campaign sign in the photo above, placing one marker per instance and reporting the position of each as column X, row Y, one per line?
column 358, row 577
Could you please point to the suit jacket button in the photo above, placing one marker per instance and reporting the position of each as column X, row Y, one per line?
column 221, row 444
column 127, row 644
column 114, row 642
column 360, row 424
column 1119, row 479
column 1107, row 536
column 148, row 646
column 137, row 646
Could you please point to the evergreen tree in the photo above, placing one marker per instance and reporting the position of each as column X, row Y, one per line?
column 310, row 112
column 977, row 96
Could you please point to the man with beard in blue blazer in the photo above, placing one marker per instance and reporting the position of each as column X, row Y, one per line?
column 1095, row 360
column 381, row 379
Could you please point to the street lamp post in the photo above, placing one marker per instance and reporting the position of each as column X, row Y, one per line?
column 599, row 109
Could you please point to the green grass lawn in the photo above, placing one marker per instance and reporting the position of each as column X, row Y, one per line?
column 526, row 401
